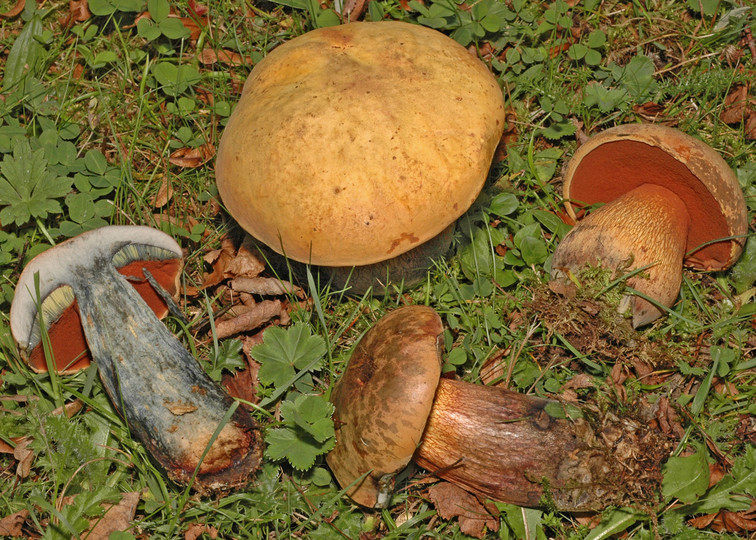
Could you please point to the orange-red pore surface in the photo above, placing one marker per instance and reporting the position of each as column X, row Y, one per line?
column 66, row 334
column 617, row 167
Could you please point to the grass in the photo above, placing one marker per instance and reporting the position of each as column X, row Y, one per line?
column 107, row 100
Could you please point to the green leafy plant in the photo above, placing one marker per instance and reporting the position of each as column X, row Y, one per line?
column 28, row 188
column 307, row 431
column 160, row 24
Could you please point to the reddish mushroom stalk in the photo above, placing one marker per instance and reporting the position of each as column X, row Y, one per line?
column 391, row 408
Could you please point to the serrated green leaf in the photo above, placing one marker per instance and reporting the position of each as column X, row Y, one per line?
column 284, row 352
column 296, row 446
column 685, row 478
column 312, row 414
column 27, row 188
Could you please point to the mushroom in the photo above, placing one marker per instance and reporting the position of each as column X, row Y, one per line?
column 352, row 145
column 391, row 406
column 169, row 403
column 670, row 200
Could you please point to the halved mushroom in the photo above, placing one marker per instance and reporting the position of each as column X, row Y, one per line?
column 169, row 403
column 392, row 407
column 352, row 145
column 670, row 200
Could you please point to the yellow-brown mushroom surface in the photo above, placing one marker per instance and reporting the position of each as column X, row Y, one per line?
column 353, row 144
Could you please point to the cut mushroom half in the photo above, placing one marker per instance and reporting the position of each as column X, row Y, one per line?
column 392, row 407
column 669, row 200
column 169, row 403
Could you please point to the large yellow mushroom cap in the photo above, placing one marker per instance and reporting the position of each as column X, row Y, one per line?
column 353, row 144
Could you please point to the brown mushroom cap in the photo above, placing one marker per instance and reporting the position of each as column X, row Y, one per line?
column 351, row 145
column 383, row 401
column 622, row 158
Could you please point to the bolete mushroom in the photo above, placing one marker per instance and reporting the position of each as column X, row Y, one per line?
column 352, row 145
column 670, row 200
column 391, row 407
column 169, row 403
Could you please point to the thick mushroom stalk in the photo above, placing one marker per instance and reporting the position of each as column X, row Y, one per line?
column 169, row 403
column 670, row 200
column 618, row 235
column 391, row 408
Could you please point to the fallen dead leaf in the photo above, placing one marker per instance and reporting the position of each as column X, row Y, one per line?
column 243, row 384
column 24, row 456
column 5, row 448
column 195, row 530
column 163, row 195
column 260, row 314
column 117, row 517
column 191, row 158
column 451, row 500
column 265, row 286
column 222, row 56
column 12, row 524
column 79, row 10
column 69, row 409
column 735, row 106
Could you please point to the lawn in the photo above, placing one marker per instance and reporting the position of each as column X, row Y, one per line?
column 111, row 112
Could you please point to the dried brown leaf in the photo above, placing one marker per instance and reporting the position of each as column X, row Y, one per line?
column 12, row 524
column 191, row 158
column 69, row 409
column 735, row 105
column 24, row 456
column 243, row 384
column 451, row 500
column 195, row 530
column 256, row 317
column 163, row 195
column 750, row 133
column 222, row 56
column 246, row 263
column 79, row 10
column 117, row 517
column 264, row 286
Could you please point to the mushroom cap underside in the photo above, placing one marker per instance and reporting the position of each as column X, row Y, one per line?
column 624, row 157
column 353, row 144
column 383, row 401
column 132, row 249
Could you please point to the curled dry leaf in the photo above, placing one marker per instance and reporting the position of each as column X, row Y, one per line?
column 79, row 10
column 69, row 409
column 223, row 56
column 195, row 530
column 12, row 524
column 24, row 456
column 265, row 286
column 163, row 195
column 736, row 105
column 260, row 314
column 191, row 158
column 451, row 500
column 117, row 517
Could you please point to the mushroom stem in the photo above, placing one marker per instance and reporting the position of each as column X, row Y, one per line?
column 504, row 445
column 168, row 401
column 646, row 227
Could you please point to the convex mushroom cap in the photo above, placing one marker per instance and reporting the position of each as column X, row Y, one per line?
column 351, row 145
column 670, row 200
column 391, row 406
column 169, row 403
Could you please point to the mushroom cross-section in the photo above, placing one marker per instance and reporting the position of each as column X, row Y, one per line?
column 354, row 144
column 391, row 407
column 169, row 403
column 670, row 200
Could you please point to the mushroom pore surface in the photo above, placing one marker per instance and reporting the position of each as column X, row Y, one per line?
column 351, row 145
column 622, row 158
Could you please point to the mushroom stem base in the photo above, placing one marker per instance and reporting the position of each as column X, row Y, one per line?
column 505, row 446
column 645, row 228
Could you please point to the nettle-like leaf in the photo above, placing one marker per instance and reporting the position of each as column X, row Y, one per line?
column 28, row 190
column 285, row 354
column 307, row 432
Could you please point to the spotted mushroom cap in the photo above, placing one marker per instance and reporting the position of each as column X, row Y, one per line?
column 383, row 401
column 353, row 144
column 624, row 157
